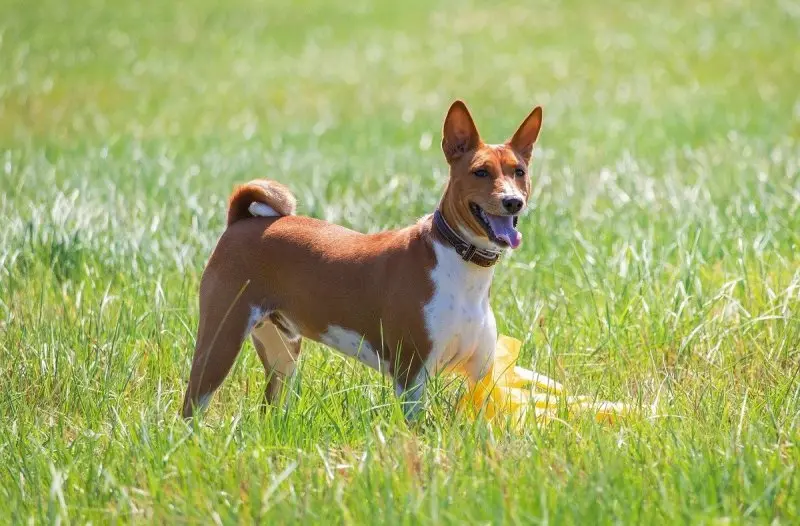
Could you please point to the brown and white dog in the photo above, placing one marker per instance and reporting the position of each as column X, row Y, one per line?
column 410, row 302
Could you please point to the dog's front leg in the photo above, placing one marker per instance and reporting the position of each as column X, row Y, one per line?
column 411, row 394
column 482, row 358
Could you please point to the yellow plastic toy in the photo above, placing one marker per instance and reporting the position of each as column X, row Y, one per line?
column 509, row 391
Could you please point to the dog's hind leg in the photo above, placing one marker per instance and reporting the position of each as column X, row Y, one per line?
column 221, row 332
column 279, row 349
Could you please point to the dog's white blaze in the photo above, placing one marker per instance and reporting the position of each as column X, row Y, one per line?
column 262, row 210
column 353, row 344
column 458, row 318
column 511, row 190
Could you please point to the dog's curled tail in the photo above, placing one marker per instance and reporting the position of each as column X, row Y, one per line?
column 260, row 198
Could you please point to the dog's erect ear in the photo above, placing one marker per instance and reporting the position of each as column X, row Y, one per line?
column 525, row 136
column 459, row 134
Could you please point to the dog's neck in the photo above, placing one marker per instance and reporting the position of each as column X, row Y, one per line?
column 464, row 246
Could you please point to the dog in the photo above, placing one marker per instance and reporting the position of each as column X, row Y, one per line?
column 410, row 303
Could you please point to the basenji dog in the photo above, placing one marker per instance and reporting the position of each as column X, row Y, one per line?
column 410, row 303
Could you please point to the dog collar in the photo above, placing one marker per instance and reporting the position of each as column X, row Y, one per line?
column 467, row 251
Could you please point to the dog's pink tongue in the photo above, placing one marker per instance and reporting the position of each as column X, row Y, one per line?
column 503, row 228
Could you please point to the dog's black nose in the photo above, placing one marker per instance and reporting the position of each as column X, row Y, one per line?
column 512, row 204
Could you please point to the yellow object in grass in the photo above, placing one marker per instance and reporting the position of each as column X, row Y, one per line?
column 510, row 391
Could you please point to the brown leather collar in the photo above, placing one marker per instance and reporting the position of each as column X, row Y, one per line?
column 467, row 251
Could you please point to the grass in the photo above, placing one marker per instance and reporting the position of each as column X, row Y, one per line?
column 660, row 266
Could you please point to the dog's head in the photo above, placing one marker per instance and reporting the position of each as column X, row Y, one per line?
column 489, row 183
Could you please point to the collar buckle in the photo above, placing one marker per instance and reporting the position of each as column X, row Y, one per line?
column 469, row 252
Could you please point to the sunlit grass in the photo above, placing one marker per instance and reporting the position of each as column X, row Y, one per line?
column 660, row 265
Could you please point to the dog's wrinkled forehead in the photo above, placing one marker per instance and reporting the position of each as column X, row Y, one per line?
column 497, row 155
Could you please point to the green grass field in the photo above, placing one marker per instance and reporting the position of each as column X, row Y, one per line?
column 661, row 262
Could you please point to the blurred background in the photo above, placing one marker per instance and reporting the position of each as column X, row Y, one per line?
column 346, row 99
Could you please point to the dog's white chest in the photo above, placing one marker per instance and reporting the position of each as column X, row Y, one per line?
column 458, row 317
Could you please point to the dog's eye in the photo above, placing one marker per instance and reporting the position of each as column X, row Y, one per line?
column 519, row 172
column 481, row 173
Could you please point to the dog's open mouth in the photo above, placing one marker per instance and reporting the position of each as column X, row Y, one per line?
column 500, row 229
